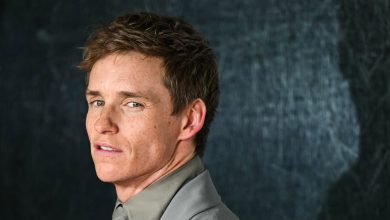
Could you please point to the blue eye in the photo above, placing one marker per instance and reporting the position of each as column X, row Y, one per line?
column 134, row 105
column 97, row 103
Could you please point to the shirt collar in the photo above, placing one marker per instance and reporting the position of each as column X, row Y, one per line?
column 153, row 200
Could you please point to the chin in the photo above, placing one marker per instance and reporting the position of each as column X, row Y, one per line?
column 105, row 178
column 106, row 173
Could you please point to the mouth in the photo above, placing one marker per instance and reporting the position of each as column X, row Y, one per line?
column 106, row 148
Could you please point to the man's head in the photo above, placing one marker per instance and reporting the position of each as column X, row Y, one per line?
column 152, row 90
column 189, row 63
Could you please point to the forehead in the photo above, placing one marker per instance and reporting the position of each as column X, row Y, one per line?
column 131, row 69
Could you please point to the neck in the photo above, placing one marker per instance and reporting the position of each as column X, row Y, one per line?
column 126, row 190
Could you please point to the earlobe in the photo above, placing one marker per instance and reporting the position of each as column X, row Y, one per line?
column 193, row 119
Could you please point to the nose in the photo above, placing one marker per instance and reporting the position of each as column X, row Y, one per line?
column 106, row 124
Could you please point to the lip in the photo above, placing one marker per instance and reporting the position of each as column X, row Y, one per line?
column 98, row 150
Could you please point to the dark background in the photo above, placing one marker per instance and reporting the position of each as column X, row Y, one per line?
column 303, row 126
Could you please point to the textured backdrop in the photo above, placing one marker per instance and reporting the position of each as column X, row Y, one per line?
column 303, row 126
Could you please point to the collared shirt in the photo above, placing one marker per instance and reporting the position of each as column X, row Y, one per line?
column 151, row 203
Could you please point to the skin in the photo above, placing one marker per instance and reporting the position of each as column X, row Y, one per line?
column 130, row 111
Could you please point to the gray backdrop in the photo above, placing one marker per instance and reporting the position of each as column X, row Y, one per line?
column 303, row 125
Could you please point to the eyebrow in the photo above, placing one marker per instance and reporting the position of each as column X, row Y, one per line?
column 92, row 93
column 126, row 94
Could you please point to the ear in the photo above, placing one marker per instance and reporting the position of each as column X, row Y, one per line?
column 193, row 119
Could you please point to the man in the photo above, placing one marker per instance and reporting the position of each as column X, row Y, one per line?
column 152, row 91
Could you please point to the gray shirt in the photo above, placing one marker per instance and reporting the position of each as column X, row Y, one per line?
column 151, row 203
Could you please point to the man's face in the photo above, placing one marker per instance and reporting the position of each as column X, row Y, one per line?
column 129, row 122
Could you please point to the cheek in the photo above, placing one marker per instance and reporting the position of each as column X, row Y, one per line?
column 167, row 133
column 146, row 139
column 89, row 125
column 150, row 135
column 170, row 130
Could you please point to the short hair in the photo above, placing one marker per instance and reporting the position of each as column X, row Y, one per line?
column 190, row 65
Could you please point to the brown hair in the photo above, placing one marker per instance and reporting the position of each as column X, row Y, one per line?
column 190, row 66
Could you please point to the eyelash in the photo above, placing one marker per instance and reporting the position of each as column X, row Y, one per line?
column 95, row 103
column 138, row 105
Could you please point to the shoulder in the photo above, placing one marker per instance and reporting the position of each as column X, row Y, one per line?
column 198, row 199
column 219, row 212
